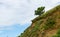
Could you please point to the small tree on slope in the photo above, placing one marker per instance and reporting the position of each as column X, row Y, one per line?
column 39, row 11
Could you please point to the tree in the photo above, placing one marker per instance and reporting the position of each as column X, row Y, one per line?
column 39, row 11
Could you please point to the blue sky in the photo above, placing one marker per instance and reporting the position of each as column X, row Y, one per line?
column 16, row 15
column 14, row 32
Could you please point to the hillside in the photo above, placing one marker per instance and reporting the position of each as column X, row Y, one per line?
column 46, row 25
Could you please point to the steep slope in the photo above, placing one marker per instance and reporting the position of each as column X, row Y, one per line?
column 46, row 25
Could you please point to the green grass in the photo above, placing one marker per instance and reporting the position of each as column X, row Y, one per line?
column 57, row 34
column 37, row 25
column 50, row 22
column 48, row 13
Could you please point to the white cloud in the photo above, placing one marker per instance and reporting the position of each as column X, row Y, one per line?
column 20, row 11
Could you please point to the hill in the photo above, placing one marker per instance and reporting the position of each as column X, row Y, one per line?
column 46, row 25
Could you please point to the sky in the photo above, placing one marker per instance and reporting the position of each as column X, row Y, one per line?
column 16, row 15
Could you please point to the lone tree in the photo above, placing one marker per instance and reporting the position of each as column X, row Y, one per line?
column 39, row 11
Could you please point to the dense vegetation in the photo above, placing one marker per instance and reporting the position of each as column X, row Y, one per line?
column 39, row 11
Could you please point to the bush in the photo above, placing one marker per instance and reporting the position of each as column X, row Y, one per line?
column 39, row 11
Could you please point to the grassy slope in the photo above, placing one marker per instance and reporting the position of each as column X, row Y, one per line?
column 46, row 25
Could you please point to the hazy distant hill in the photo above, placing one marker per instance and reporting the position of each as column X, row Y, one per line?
column 46, row 25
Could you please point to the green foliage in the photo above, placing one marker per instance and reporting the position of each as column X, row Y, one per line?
column 37, row 25
column 39, row 11
column 48, row 13
column 58, row 34
column 33, row 32
column 49, row 23
column 58, row 31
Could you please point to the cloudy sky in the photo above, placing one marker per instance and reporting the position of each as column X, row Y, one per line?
column 16, row 15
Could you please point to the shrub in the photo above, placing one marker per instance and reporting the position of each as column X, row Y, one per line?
column 39, row 11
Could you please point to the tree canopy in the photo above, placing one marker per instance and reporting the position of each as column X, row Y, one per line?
column 39, row 11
